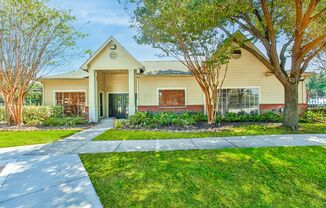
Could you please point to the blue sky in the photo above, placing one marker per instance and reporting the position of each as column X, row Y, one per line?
column 100, row 19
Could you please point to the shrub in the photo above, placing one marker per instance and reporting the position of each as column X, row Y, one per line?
column 120, row 123
column 57, row 111
column 36, row 115
column 2, row 115
column 65, row 121
column 145, row 119
column 140, row 119
column 313, row 117
column 47, row 115
column 243, row 117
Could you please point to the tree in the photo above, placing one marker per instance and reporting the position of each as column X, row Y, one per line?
column 33, row 38
column 34, row 95
column 188, row 31
column 316, row 85
column 292, row 29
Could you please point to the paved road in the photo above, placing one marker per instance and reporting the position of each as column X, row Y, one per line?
column 52, row 175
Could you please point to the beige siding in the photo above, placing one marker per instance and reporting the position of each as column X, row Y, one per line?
column 50, row 86
column 116, row 83
column 246, row 71
column 148, row 89
column 103, row 61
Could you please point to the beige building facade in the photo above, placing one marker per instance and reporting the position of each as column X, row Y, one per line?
column 112, row 83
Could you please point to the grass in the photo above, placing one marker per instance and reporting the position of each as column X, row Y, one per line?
column 20, row 138
column 115, row 134
column 261, row 177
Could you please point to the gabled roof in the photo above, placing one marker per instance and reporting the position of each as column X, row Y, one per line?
column 76, row 74
column 165, row 68
column 106, row 43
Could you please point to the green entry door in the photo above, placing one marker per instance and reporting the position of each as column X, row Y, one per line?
column 118, row 105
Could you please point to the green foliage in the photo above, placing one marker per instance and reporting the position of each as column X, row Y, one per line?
column 316, row 84
column 242, row 117
column 120, row 123
column 36, row 115
column 34, row 95
column 152, row 120
column 2, row 115
column 65, row 121
column 45, row 115
column 313, row 117
column 145, row 119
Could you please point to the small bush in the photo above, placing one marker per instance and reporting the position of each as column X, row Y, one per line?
column 145, row 119
column 45, row 115
column 36, row 115
column 65, row 121
column 2, row 115
column 313, row 117
column 140, row 119
column 120, row 123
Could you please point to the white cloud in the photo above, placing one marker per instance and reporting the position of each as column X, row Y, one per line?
column 108, row 19
column 97, row 11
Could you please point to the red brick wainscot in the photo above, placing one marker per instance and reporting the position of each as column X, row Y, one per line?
column 278, row 107
column 188, row 108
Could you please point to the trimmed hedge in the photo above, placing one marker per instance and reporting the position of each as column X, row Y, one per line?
column 150, row 120
column 45, row 115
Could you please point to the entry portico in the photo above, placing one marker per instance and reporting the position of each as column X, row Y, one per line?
column 111, row 63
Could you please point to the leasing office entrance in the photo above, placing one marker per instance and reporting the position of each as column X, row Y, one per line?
column 118, row 105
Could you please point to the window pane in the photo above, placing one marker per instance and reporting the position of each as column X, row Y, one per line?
column 168, row 98
column 73, row 103
column 239, row 100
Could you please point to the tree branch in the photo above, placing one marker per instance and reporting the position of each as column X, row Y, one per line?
column 283, row 50
column 311, row 56
column 313, row 44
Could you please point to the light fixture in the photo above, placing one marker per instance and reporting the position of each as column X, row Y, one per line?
column 113, row 46
column 236, row 54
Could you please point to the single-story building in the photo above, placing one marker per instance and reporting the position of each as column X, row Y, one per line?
column 112, row 83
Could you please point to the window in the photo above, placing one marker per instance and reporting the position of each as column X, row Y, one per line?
column 73, row 103
column 172, row 98
column 239, row 100
column 101, row 95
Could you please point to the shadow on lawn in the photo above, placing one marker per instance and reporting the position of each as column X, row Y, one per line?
column 264, row 177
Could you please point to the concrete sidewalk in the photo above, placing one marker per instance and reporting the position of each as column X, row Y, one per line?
column 48, row 175
column 202, row 143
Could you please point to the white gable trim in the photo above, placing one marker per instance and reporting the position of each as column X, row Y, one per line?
column 106, row 43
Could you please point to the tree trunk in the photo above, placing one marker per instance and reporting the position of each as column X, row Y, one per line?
column 210, row 109
column 14, row 109
column 290, row 115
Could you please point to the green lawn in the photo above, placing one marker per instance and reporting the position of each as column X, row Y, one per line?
column 20, row 138
column 261, row 177
column 262, row 129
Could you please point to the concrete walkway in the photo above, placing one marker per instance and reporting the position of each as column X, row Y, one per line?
column 45, row 176
column 52, row 175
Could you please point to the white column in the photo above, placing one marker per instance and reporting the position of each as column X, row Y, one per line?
column 92, row 96
column 131, row 76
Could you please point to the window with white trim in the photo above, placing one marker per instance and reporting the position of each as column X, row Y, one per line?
column 172, row 97
column 239, row 100
column 73, row 103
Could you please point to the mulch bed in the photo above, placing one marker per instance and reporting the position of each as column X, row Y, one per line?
column 200, row 127
column 5, row 127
